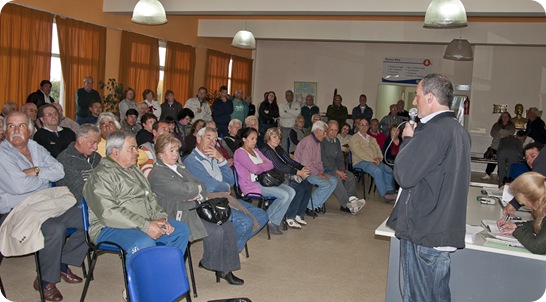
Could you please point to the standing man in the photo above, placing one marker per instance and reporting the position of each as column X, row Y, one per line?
column 84, row 97
column 222, row 109
column 433, row 170
column 240, row 106
column 402, row 112
column 363, row 111
column 288, row 113
column 52, row 136
column 308, row 110
column 41, row 96
column 535, row 126
column 199, row 105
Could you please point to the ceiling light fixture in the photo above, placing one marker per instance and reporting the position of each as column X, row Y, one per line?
column 445, row 14
column 149, row 12
column 459, row 50
column 244, row 39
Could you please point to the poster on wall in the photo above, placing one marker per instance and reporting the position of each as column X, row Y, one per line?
column 302, row 89
column 405, row 70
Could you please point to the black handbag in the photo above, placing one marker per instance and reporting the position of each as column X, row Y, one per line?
column 215, row 210
column 271, row 178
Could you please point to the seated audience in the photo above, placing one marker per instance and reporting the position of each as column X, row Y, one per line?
column 52, row 136
column 8, row 108
column 122, row 206
column 179, row 192
column 95, row 108
column 231, row 139
column 374, row 132
column 127, row 103
column 209, row 166
column 367, row 156
column 171, row 107
column 145, row 134
column 344, row 137
column 190, row 138
column 221, row 145
column 159, row 128
column 252, row 122
column 390, row 119
column 297, row 177
column 42, row 95
column 142, row 109
column 153, row 105
column 250, row 162
column 26, row 170
column 31, row 111
column 308, row 154
column 315, row 118
column 66, row 122
column 392, row 145
column 529, row 189
column 334, row 165
column 297, row 133
column 2, row 130
column 129, row 122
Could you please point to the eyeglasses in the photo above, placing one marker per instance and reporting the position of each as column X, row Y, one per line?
column 531, row 156
column 50, row 114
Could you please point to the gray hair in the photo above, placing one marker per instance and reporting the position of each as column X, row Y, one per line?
column 333, row 122
column 87, row 79
column 204, row 130
column 109, row 116
column 440, row 86
column 30, row 124
column 116, row 140
column 209, row 123
column 534, row 110
column 233, row 122
column 85, row 129
column 8, row 106
column 319, row 125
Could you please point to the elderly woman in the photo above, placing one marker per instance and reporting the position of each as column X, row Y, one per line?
column 296, row 173
column 249, row 162
column 178, row 191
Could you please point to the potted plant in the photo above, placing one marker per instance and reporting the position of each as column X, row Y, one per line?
column 113, row 95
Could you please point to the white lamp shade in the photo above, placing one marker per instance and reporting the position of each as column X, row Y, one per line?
column 244, row 39
column 149, row 12
column 445, row 14
column 459, row 50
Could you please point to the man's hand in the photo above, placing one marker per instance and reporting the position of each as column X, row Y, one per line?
column 212, row 152
column 341, row 174
column 30, row 171
column 377, row 161
column 408, row 130
column 230, row 162
column 159, row 228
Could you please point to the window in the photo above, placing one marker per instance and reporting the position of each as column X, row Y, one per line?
column 56, row 74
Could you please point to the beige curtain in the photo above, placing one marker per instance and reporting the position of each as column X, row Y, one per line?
column 139, row 63
column 25, row 51
column 241, row 75
column 217, row 70
column 179, row 70
column 82, row 48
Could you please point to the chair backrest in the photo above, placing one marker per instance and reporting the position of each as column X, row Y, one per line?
column 157, row 274
column 85, row 215
column 238, row 192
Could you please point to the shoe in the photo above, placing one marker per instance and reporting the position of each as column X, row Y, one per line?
column 392, row 192
column 357, row 206
column 293, row 224
column 323, row 209
column 486, row 177
column 344, row 209
column 310, row 213
column 229, row 277
column 390, row 197
column 353, row 198
column 274, row 229
column 51, row 293
column 300, row 220
column 70, row 277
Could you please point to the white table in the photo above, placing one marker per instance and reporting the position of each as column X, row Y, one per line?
column 478, row 272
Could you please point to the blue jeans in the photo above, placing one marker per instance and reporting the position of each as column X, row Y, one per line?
column 133, row 240
column 283, row 197
column 243, row 223
column 324, row 190
column 382, row 175
column 426, row 273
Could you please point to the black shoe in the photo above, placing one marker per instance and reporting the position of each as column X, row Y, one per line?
column 323, row 209
column 317, row 211
column 310, row 213
column 274, row 229
column 229, row 277
column 344, row 209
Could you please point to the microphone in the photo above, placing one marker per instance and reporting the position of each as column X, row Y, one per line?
column 413, row 114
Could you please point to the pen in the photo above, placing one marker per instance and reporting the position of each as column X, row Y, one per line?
column 505, row 219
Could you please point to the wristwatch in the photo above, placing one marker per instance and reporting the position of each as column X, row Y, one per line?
column 36, row 170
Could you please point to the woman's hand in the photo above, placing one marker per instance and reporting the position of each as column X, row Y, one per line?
column 303, row 173
column 508, row 228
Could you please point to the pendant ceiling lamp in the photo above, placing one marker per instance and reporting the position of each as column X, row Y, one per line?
column 244, row 39
column 149, row 12
column 445, row 14
column 459, row 50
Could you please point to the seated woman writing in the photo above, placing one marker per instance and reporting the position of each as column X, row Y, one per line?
column 249, row 162
column 297, row 174
column 529, row 189
column 178, row 190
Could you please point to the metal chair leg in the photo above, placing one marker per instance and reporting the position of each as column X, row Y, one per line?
column 192, row 276
column 246, row 251
column 39, row 275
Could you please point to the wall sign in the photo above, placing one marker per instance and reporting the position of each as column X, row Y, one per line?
column 405, row 70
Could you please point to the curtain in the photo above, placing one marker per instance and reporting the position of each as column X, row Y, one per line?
column 241, row 75
column 217, row 70
column 82, row 48
column 179, row 70
column 139, row 63
column 25, row 51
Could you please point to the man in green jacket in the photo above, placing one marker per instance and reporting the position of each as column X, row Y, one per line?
column 123, row 208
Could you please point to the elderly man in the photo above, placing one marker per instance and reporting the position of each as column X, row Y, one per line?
column 66, row 122
column 231, row 139
column 123, row 208
column 374, row 132
column 308, row 110
column 288, row 112
column 26, row 171
column 362, row 111
column 208, row 165
column 8, row 108
column 41, row 96
column 79, row 159
column 31, row 111
column 52, row 136
column 240, row 106
column 129, row 123
column 84, row 97
column 367, row 156
column 199, row 105
column 308, row 154
column 535, row 126
column 314, row 118
column 433, row 170
column 334, row 165
column 390, row 119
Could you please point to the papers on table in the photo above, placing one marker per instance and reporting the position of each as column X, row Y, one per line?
column 495, row 235
column 471, row 232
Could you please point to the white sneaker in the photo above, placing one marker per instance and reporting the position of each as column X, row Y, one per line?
column 486, row 177
column 356, row 206
column 300, row 220
column 293, row 224
column 353, row 198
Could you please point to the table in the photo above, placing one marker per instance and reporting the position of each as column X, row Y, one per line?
column 478, row 272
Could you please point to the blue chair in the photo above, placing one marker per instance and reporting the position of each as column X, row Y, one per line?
column 360, row 175
column 96, row 249
column 158, row 274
